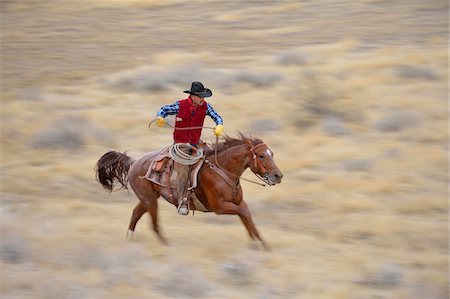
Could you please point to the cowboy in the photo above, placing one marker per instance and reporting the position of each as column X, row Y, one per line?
column 189, row 113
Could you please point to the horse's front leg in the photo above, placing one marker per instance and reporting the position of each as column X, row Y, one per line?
column 246, row 218
column 227, row 207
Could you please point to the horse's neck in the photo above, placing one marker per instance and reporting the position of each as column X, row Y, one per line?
column 234, row 159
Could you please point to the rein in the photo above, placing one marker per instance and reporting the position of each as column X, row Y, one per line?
column 215, row 154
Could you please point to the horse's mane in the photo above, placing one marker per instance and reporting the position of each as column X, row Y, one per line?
column 231, row 142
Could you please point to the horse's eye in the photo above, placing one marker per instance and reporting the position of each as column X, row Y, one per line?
column 261, row 156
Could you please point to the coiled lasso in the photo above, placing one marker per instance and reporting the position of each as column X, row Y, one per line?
column 179, row 155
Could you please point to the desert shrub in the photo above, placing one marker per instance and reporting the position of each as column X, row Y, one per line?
column 387, row 276
column 320, row 100
column 181, row 281
column 123, row 265
column 231, row 80
column 358, row 164
column 264, row 125
column 291, row 58
column 238, row 272
column 66, row 133
column 396, row 121
column 59, row 287
column 31, row 94
column 185, row 74
column 242, row 268
column 69, row 133
column 421, row 289
column 334, row 126
column 392, row 153
column 257, row 79
column 13, row 249
column 142, row 79
column 91, row 257
column 415, row 72
column 147, row 79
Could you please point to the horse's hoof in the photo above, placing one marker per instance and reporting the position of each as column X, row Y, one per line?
column 253, row 245
column 259, row 246
column 129, row 235
column 164, row 241
column 266, row 247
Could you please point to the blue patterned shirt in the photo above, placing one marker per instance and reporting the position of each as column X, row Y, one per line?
column 172, row 109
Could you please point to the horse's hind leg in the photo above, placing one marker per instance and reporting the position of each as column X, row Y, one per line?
column 148, row 194
column 138, row 211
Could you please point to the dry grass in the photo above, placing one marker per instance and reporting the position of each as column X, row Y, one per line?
column 352, row 110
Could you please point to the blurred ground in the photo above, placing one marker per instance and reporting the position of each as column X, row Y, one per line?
column 350, row 96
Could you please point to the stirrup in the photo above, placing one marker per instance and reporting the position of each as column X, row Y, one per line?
column 184, row 200
column 183, row 203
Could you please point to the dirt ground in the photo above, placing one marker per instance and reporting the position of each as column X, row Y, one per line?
column 351, row 96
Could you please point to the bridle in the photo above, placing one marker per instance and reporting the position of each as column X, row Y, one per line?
column 258, row 165
column 263, row 177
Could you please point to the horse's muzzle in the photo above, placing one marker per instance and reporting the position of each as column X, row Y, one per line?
column 274, row 178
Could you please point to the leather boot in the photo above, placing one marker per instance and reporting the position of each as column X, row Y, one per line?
column 182, row 180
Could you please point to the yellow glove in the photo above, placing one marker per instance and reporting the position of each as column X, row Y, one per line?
column 218, row 130
column 160, row 121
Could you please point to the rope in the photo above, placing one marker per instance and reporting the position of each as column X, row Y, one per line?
column 181, row 157
column 173, row 127
column 179, row 153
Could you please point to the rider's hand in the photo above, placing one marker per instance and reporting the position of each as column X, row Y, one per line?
column 160, row 121
column 218, row 130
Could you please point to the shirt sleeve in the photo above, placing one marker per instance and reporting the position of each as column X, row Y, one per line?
column 171, row 109
column 214, row 115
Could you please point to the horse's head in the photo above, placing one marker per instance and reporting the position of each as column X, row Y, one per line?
column 263, row 165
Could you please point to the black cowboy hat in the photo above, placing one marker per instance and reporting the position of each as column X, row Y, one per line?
column 198, row 89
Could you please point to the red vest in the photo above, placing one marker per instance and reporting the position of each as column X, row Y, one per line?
column 189, row 116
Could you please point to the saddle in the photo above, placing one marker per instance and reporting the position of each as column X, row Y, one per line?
column 162, row 173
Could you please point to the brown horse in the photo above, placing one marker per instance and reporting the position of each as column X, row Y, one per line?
column 218, row 188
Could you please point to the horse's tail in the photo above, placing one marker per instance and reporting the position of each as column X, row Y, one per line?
column 113, row 168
